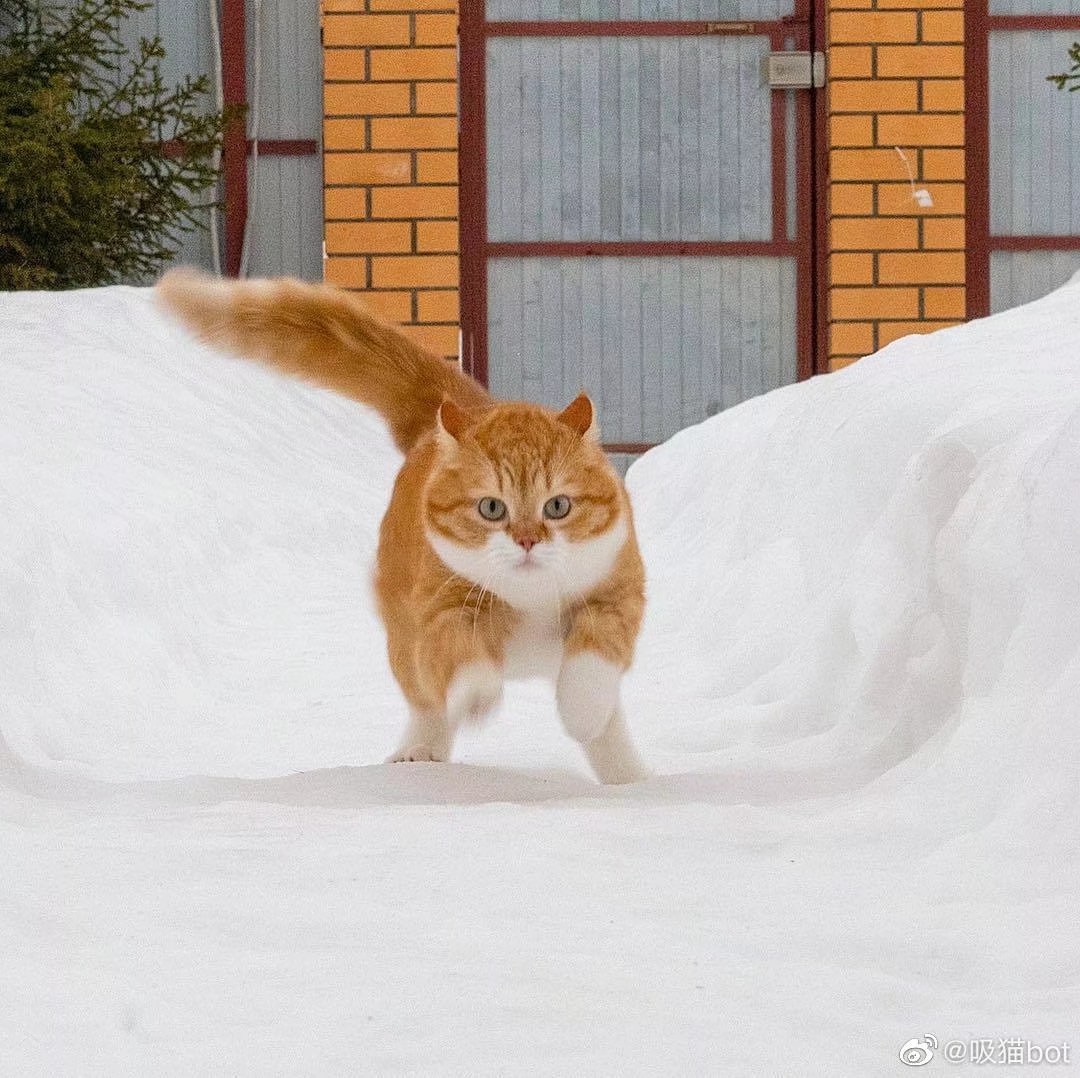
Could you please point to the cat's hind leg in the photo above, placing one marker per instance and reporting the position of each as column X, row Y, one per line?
column 612, row 754
column 427, row 737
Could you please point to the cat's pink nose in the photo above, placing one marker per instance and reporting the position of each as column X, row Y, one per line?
column 526, row 543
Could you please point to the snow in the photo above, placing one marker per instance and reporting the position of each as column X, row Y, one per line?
column 857, row 687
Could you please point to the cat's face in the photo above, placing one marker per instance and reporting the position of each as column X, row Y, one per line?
column 525, row 504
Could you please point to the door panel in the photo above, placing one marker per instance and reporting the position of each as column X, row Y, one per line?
column 661, row 343
column 605, row 138
column 637, row 209
column 1020, row 276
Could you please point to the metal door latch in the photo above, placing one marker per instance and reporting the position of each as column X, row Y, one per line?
column 795, row 70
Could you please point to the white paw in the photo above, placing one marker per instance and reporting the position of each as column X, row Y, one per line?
column 474, row 693
column 587, row 694
column 613, row 756
column 415, row 754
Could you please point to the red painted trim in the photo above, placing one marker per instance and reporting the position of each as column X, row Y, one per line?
column 618, row 28
column 234, row 147
column 270, row 147
column 286, row 147
column 637, row 248
column 815, row 144
column 806, row 357
column 1034, row 243
column 472, row 174
column 778, row 143
column 629, row 447
column 977, row 157
column 1032, row 22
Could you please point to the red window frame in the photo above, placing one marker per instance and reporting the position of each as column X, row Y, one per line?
column 235, row 146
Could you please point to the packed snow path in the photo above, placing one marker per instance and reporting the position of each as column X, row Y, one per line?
column 858, row 687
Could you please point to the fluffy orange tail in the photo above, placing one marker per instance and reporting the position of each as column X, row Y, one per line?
column 328, row 337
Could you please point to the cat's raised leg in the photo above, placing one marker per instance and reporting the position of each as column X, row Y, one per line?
column 587, row 694
column 612, row 754
column 427, row 737
column 597, row 651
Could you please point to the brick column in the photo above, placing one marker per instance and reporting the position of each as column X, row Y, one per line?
column 896, row 79
column 390, row 136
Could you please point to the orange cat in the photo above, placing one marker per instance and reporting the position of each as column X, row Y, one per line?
column 508, row 547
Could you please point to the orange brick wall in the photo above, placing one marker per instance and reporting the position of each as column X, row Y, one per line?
column 390, row 140
column 896, row 78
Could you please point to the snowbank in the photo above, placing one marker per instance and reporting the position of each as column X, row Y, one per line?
column 857, row 685
column 878, row 573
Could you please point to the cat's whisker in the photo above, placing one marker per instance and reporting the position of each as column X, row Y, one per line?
column 569, row 584
column 465, row 604
column 491, row 606
column 493, row 580
column 483, row 591
column 451, row 579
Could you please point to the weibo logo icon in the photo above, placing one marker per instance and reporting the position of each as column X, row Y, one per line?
column 919, row 1050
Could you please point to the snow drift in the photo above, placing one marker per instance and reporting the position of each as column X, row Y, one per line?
column 887, row 564
column 857, row 687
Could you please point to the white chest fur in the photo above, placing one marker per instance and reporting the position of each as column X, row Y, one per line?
column 536, row 648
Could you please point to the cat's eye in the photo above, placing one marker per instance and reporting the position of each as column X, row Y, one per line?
column 492, row 508
column 556, row 508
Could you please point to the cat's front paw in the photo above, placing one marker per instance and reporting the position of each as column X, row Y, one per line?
column 587, row 694
column 415, row 754
column 474, row 692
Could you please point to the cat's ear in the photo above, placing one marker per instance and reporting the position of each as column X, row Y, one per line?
column 580, row 417
column 452, row 419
